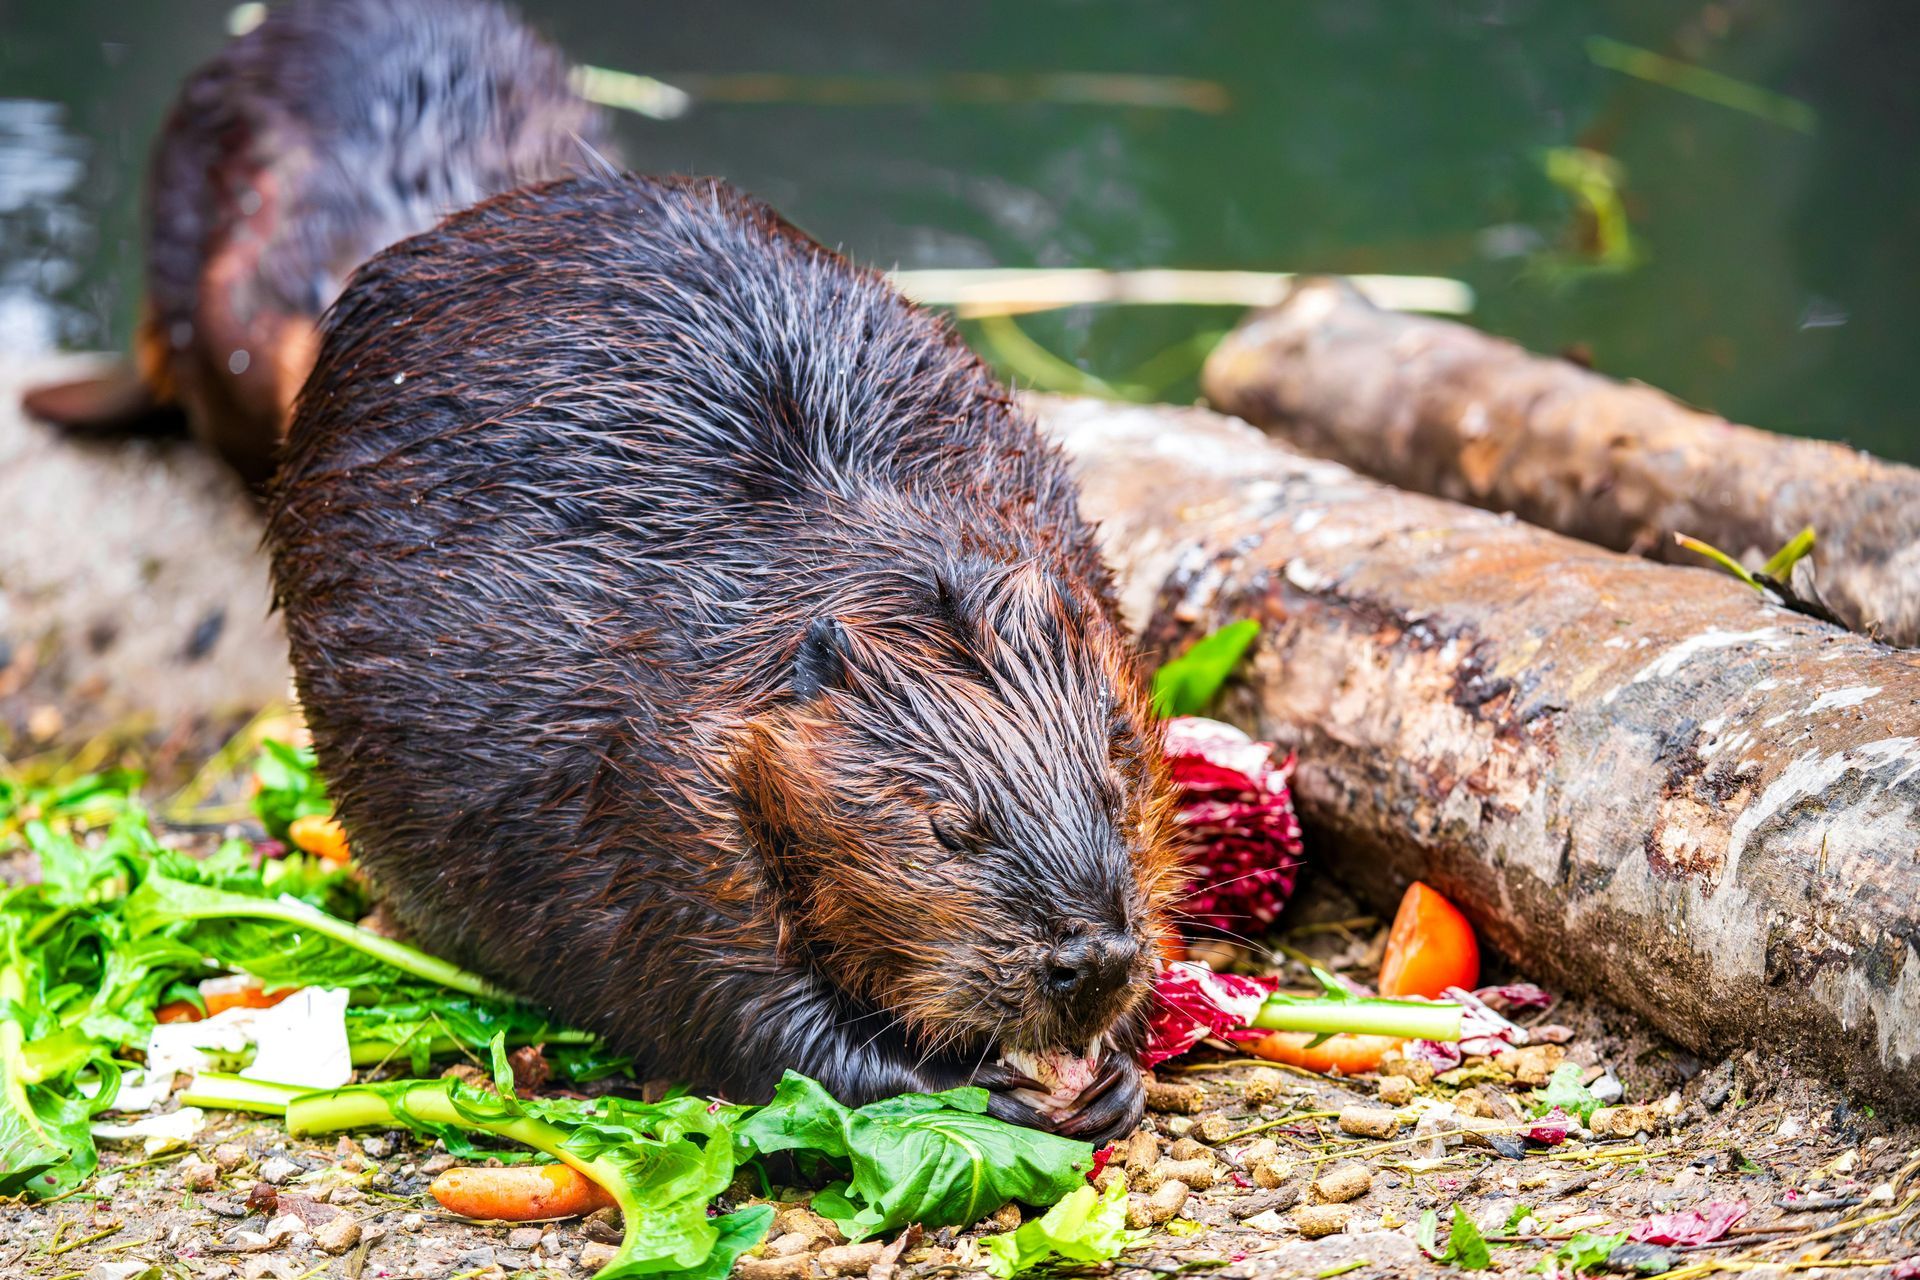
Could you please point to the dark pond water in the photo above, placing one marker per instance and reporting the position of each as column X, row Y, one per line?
column 1722, row 199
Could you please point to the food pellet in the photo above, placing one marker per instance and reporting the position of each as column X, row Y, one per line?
column 1175, row 1097
column 1143, row 1152
column 1369, row 1122
column 1396, row 1091
column 1348, row 1182
column 1317, row 1220
column 1215, row 1128
column 1150, row 1211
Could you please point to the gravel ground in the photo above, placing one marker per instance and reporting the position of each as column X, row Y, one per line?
column 1243, row 1170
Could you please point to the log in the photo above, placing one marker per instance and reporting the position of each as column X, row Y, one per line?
column 1441, row 408
column 1639, row 780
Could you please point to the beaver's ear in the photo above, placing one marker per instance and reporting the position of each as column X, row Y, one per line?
column 821, row 661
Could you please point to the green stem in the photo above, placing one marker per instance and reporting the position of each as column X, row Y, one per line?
column 1406, row 1019
column 225, row 1092
column 368, row 1052
column 292, row 911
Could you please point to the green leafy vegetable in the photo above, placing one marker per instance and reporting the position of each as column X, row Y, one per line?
column 289, row 787
column 1586, row 1252
column 1565, row 1091
column 1466, row 1248
column 1518, row 1218
column 1338, row 1011
column 1188, row 684
column 1087, row 1226
column 936, row 1159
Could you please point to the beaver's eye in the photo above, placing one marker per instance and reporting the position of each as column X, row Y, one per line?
column 948, row 840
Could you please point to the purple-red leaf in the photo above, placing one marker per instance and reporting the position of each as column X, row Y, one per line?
column 1702, row 1225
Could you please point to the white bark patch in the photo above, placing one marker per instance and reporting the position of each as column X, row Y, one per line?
column 1675, row 659
column 1842, row 698
column 1809, row 775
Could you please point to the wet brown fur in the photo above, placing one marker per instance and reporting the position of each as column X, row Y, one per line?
column 697, row 639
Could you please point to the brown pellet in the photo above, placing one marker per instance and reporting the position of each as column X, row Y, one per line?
column 1175, row 1097
column 1348, row 1182
column 1150, row 1211
column 1369, row 1122
column 1396, row 1091
column 1317, row 1220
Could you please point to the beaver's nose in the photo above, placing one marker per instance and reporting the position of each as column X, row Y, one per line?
column 1090, row 962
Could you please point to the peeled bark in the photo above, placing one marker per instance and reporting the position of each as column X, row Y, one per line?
column 1445, row 409
column 1637, row 779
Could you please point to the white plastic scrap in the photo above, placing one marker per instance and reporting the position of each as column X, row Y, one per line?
column 300, row 1041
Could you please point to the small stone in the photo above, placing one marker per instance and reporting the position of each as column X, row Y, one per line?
column 1178, row 1126
column 1175, row 1097
column 1625, row 1122
column 1531, row 1064
column 300, row 1242
column 1607, row 1088
column 594, row 1255
column 377, row 1146
column 412, row 1222
column 602, row 1225
column 1317, row 1220
column 283, row 1226
column 435, row 1165
column 1347, row 1182
column 1396, row 1091
column 550, row 1243
column 1267, row 1220
column 278, row 1170
column 229, row 1156
column 118, row 1270
column 1264, row 1202
column 337, row 1235
column 476, row 1259
column 199, row 1175
column 523, row 1238
column 1369, row 1122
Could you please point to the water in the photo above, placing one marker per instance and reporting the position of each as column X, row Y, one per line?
column 1769, row 265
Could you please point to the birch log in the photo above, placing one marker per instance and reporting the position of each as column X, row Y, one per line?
column 1445, row 409
column 1638, row 779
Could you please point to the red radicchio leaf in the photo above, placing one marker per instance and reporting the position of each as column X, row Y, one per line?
column 1191, row 1002
column 1703, row 1225
column 1100, row 1159
column 1552, row 1129
column 1908, row 1270
column 1243, row 838
column 1514, row 997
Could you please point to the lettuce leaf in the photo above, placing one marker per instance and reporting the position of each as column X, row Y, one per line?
column 1188, row 684
column 936, row 1159
column 1087, row 1226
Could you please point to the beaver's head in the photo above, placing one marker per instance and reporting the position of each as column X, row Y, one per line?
column 964, row 807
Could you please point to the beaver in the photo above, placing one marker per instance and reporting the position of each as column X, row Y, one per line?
column 330, row 130
column 697, row 640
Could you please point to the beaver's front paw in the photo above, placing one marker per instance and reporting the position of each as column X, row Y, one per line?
column 1109, row 1108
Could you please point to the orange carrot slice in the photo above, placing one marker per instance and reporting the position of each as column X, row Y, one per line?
column 1344, row 1055
column 519, row 1193
column 319, row 835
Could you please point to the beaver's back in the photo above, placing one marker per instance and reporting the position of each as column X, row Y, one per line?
column 573, row 473
column 331, row 130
